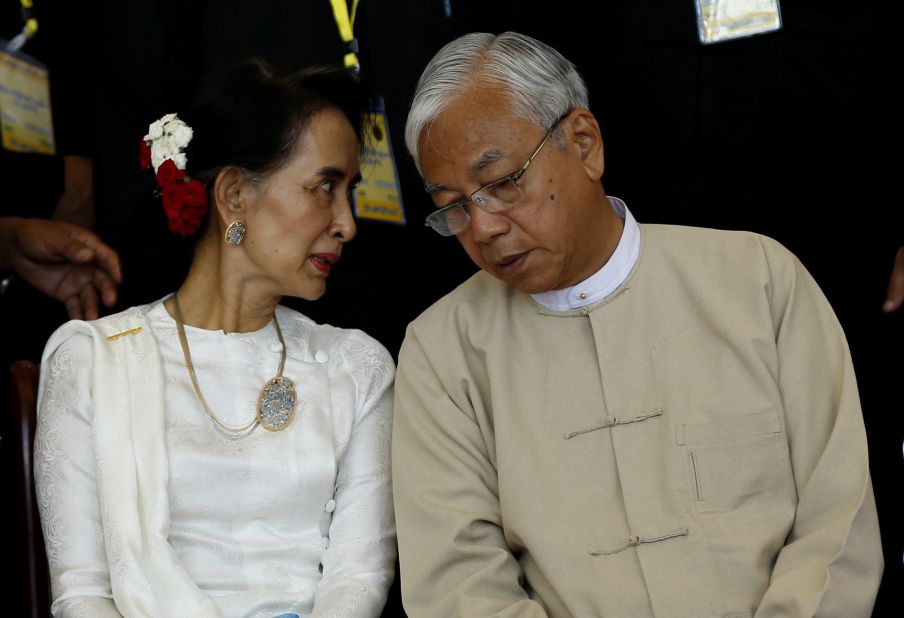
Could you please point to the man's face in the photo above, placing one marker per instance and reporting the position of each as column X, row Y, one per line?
column 546, row 240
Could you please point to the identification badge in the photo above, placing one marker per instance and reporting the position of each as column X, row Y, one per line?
column 721, row 20
column 25, row 104
column 379, row 196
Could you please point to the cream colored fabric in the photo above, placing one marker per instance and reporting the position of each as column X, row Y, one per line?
column 144, row 502
column 692, row 446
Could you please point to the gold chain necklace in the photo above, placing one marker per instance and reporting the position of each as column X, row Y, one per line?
column 276, row 404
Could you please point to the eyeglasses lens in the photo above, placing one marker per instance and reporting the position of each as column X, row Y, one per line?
column 504, row 191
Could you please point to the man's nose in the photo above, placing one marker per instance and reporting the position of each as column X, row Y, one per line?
column 487, row 225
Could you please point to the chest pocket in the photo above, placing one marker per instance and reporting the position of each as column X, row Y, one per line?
column 739, row 469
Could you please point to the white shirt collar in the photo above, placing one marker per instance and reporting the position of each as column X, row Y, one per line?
column 604, row 281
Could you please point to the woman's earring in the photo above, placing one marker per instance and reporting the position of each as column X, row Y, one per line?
column 235, row 233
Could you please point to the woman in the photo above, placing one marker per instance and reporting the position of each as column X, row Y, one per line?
column 214, row 453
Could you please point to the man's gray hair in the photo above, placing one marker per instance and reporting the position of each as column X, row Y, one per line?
column 540, row 84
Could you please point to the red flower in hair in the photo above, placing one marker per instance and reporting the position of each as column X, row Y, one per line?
column 173, row 199
column 185, row 204
column 184, row 199
column 183, row 229
column 191, row 217
column 195, row 194
column 168, row 174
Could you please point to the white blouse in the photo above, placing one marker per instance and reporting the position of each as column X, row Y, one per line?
column 294, row 521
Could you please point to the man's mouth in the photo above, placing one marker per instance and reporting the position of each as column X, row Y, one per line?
column 511, row 263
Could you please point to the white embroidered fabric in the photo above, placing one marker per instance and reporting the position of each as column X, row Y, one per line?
column 296, row 521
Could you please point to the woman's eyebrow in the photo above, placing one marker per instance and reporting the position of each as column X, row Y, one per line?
column 330, row 171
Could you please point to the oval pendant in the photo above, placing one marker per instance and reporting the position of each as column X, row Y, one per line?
column 276, row 405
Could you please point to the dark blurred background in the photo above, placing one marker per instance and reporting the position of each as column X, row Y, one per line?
column 790, row 134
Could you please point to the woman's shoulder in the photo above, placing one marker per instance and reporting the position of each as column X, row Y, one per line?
column 327, row 343
column 77, row 336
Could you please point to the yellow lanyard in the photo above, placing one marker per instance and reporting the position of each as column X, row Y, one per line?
column 31, row 22
column 346, row 25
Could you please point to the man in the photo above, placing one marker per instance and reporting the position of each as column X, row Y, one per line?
column 66, row 262
column 611, row 419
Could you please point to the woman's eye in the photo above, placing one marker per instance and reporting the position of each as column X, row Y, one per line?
column 328, row 186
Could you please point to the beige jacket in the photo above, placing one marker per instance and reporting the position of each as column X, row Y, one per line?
column 692, row 446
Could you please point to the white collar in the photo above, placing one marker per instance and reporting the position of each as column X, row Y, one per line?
column 604, row 281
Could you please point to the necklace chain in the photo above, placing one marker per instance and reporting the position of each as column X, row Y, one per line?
column 233, row 432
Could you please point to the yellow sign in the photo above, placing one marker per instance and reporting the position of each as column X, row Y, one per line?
column 378, row 196
column 25, row 105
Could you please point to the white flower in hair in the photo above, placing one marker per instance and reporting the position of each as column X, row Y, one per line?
column 155, row 131
column 180, row 160
column 168, row 138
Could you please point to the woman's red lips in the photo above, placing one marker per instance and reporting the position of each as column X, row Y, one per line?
column 324, row 261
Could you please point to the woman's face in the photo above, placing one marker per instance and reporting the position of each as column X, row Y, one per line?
column 300, row 216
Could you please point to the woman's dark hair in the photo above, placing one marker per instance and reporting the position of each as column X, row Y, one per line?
column 248, row 115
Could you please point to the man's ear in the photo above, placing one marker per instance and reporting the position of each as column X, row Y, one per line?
column 583, row 131
column 230, row 193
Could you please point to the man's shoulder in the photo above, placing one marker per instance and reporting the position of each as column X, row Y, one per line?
column 719, row 264
column 476, row 310
column 702, row 244
column 670, row 235
column 481, row 291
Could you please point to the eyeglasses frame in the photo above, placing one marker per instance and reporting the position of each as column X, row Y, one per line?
column 483, row 203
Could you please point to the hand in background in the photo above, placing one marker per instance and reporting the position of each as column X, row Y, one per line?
column 895, row 296
column 66, row 262
column 76, row 203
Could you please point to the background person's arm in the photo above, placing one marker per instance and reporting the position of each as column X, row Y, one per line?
column 895, row 295
column 76, row 203
column 66, row 262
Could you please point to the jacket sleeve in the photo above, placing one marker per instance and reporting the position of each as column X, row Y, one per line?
column 359, row 564
column 454, row 557
column 831, row 564
column 66, row 484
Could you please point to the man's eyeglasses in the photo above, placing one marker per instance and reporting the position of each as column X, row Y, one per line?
column 497, row 196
